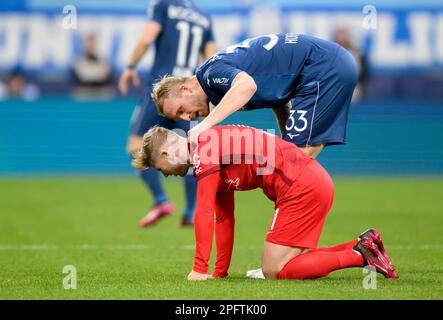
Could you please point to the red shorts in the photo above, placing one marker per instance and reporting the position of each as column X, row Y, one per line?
column 301, row 212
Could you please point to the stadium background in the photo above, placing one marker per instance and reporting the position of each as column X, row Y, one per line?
column 395, row 129
column 399, row 115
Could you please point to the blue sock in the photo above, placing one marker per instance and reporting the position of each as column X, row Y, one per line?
column 190, row 192
column 151, row 179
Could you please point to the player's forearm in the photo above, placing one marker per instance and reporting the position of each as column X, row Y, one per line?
column 151, row 31
column 242, row 90
column 139, row 52
column 204, row 220
column 224, row 234
column 204, row 232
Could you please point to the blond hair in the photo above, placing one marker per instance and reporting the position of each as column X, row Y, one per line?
column 165, row 87
column 153, row 140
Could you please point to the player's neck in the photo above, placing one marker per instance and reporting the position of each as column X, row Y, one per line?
column 197, row 88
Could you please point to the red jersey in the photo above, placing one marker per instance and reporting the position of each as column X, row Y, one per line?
column 230, row 158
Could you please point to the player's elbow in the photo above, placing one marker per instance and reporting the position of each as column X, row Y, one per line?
column 246, row 83
column 250, row 85
column 150, row 33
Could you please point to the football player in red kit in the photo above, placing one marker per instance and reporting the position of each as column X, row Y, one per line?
column 239, row 158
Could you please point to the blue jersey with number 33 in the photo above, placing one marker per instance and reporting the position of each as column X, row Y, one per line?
column 185, row 31
column 280, row 64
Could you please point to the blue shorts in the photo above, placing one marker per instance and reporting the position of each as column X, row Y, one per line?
column 145, row 116
column 319, row 112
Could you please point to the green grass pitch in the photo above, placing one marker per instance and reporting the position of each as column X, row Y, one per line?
column 91, row 223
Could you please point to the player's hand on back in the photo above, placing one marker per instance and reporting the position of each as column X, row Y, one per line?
column 128, row 76
column 195, row 132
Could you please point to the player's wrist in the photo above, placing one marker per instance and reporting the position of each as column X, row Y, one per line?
column 130, row 67
column 204, row 125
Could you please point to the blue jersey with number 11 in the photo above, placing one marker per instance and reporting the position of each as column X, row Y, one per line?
column 280, row 64
column 185, row 31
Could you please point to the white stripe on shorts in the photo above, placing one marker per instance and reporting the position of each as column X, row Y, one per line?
column 275, row 218
column 313, row 113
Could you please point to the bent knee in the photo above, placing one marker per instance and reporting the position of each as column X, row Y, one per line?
column 271, row 271
column 272, row 267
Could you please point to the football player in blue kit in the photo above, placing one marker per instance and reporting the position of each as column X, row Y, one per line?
column 307, row 82
column 181, row 34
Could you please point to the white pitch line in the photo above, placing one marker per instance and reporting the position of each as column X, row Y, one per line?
column 46, row 247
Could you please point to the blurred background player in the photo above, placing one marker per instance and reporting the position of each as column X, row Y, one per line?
column 92, row 74
column 181, row 34
column 342, row 37
column 17, row 87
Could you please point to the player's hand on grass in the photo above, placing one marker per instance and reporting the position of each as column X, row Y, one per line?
column 196, row 276
column 128, row 76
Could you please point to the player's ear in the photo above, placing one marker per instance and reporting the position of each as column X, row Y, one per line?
column 184, row 88
column 164, row 154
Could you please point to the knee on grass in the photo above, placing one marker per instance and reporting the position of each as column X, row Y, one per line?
column 270, row 271
column 272, row 267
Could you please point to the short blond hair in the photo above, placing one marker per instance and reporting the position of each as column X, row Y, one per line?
column 153, row 140
column 165, row 87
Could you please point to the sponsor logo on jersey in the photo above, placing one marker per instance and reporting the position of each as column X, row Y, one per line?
column 233, row 182
column 196, row 163
column 292, row 136
column 221, row 81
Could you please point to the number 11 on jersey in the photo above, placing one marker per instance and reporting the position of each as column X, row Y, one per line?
column 186, row 63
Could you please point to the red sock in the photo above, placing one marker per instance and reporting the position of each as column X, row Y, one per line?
column 319, row 263
column 339, row 247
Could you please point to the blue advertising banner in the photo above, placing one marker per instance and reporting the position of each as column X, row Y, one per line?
column 395, row 36
column 64, row 136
